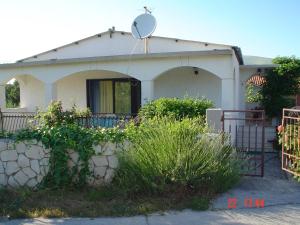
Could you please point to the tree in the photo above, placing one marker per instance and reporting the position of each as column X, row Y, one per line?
column 12, row 94
column 281, row 83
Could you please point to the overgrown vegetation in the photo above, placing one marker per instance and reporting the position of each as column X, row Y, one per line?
column 289, row 138
column 253, row 94
column 59, row 130
column 281, row 84
column 12, row 94
column 172, row 162
column 168, row 154
column 90, row 202
column 174, row 107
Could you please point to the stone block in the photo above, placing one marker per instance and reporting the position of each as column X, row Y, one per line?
column 109, row 148
column 99, row 172
column 11, row 168
column 39, row 178
column 97, row 149
column 3, row 179
column 44, row 162
column 3, row 145
column 109, row 175
column 74, row 157
column 23, row 161
column 21, row 147
column 11, row 145
column 35, row 152
column 112, row 161
column 1, row 167
column 29, row 172
column 91, row 165
column 8, row 155
column 44, row 170
column 21, row 178
column 35, row 166
column 12, row 182
column 32, row 183
column 99, row 161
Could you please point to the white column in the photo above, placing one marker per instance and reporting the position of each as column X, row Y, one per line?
column 147, row 91
column 228, row 93
column 50, row 93
column 238, row 92
column 2, row 97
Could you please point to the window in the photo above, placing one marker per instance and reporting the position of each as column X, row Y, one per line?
column 121, row 96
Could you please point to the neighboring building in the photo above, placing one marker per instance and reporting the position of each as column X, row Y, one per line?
column 110, row 73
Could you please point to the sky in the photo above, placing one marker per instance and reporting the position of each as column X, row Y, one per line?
column 267, row 28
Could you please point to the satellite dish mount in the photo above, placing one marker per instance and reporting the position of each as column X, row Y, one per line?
column 143, row 26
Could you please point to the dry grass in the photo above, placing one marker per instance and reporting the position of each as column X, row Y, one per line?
column 91, row 202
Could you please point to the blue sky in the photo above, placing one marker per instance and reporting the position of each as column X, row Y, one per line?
column 260, row 27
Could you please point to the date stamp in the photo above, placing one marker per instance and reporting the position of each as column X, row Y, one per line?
column 248, row 202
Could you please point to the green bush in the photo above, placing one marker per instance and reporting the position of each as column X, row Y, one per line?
column 59, row 131
column 171, row 153
column 178, row 108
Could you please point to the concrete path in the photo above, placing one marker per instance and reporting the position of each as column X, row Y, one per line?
column 281, row 206
column 274, row 188
column 272, row 215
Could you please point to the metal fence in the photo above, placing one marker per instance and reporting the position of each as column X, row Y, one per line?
column 246, row 131
column 14, row 121
column 290, row 139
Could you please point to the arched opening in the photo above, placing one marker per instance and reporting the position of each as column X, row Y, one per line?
column 188, row 81
column 252, row 93
column 101, row 91
column 24, row 93
column 12, row 94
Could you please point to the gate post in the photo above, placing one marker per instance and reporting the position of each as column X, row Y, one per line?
column 214, row 119
column 263, row 144
column 1, row 121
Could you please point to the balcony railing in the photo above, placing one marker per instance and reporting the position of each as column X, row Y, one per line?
column 14, row 121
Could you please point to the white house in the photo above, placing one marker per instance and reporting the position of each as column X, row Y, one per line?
column 110, row 73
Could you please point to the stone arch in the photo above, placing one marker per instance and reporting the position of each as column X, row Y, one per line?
column 72, row 89
column 188, row 81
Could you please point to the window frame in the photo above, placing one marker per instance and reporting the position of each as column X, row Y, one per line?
column 134, row 104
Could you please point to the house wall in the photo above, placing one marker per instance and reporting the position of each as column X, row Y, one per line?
column 182, row 82
column 123, row 44
column 72, row 89
column 60, row 82
column 31, row 93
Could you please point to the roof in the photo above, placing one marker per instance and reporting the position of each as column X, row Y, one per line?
column 116, row 57
column 257, row 60
column 110, row 32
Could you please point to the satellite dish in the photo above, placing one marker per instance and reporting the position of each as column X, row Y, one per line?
column 143, row 26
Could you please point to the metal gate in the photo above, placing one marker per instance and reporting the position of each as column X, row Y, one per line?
column 290, row 140
column 246, row 131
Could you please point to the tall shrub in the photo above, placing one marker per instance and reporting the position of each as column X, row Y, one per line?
column 175, row 107
column 167, row 152
column 281, row 83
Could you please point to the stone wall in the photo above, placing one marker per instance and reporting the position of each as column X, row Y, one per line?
column 25, row 164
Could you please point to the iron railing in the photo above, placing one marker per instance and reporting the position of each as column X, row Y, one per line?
column 246, row 131
column 14, row 121
column 290, row 140
column 105, row 120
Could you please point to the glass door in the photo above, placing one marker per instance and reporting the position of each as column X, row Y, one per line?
column 122, row 97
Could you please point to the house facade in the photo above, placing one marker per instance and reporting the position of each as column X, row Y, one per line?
column 110, row 73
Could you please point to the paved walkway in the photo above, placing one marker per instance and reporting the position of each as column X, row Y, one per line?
column 274, row 188
column 281, row 206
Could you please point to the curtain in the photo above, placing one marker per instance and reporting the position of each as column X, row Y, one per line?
column 106, row 96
